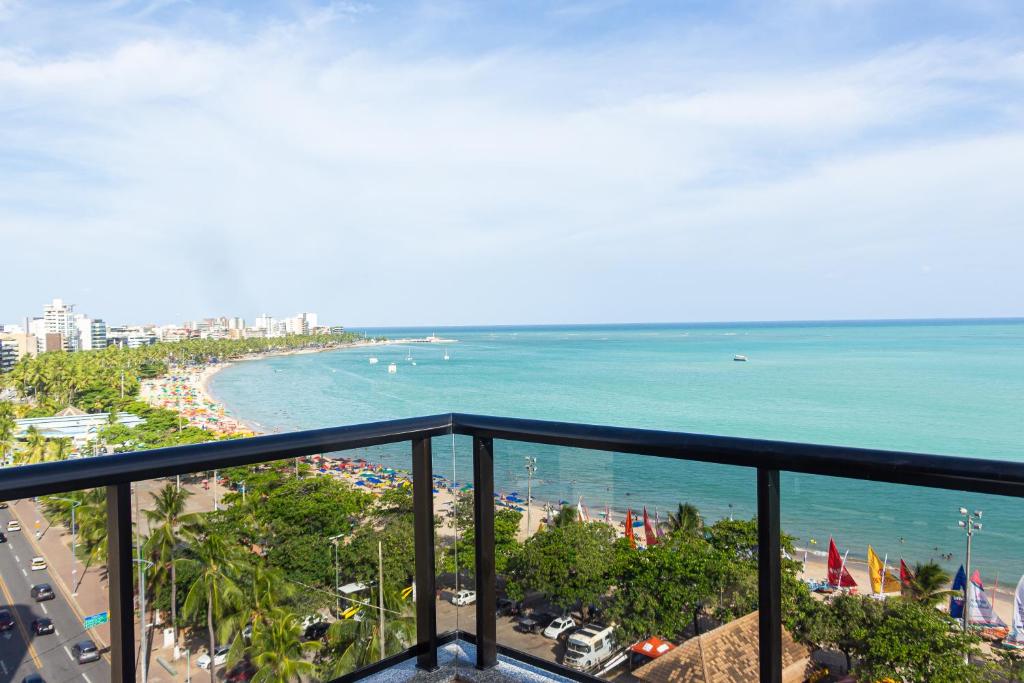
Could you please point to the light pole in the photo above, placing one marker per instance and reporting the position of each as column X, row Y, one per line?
column 531, row 468
column 337, row 570
column 143, row 652
column 74, row 570
column 968, row 523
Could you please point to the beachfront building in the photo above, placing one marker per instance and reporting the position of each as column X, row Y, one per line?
column 92, row 333
column 72, row 423
column 59, row 318
column 8, row 354
column 131, row 337
column 18, row 343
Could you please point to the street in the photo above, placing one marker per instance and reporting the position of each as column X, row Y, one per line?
column 22, row 652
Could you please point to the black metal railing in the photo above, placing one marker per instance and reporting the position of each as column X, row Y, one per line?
column 768, row 458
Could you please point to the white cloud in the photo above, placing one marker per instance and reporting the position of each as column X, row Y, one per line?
column 221, row 176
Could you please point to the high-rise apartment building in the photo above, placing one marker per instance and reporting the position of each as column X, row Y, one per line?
column 59, row 318
column 92, row 333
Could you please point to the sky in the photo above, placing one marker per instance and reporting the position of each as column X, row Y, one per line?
column 568, row 161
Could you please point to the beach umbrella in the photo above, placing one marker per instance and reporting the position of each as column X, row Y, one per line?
column 467, row 487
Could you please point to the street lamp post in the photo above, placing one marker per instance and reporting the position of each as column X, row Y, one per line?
column 143, row 656
column 337, row 570
column 969, row 523
column 531, row 468
column 74, row 569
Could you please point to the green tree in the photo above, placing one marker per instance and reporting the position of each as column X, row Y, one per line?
column 568, row 564
column 662, row 590
column 166, row 519
column 277, row 650
column 928, row 585
column 686, row 521
column 215, row 590
column 355, row 643
column 506, row 532
column 60, row 449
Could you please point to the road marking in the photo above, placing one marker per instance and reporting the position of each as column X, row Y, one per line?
column 21, row 627
column 3, row 666
column 18, row 559
column 45, row 611
column 57, row 633
column 69, row 653
column 24, row 572
column 86, row 678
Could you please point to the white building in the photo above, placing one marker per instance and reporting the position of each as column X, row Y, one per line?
column 92, row 333
column 59, row 318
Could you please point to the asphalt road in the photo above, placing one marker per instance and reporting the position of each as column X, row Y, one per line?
column 22, row 652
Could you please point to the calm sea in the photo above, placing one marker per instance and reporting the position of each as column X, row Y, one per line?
column 946, row 387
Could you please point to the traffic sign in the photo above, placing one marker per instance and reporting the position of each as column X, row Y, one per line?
column 94, row 620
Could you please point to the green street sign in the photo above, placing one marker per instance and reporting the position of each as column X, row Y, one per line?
column 94, row 620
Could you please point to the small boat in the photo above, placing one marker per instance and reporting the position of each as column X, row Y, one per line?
column 446, row 356
column 373, row 360
column 742, row 359
column 392, row 369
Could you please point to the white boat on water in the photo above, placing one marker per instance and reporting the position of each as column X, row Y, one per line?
column 373, row 360
column 740, row 358
column 446, row 356
column 392, row 369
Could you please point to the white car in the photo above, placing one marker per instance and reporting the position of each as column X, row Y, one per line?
column 38, row 563
column 220, row 655
column 14, row 525
column 559, row 626
column 464, row 598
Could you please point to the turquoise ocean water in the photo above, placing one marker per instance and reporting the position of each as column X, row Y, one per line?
column 946, row 387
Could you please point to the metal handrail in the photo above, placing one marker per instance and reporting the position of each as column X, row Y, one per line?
column 768, row 458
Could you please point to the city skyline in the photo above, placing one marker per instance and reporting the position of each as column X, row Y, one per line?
column 440, row 163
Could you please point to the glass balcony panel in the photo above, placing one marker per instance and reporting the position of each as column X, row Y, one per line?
column 581, row 587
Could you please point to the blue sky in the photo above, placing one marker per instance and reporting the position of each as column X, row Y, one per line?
column 439, row 162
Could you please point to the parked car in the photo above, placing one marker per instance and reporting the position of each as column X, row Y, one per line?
column 534, row 623
column 220, row 655
column 33, row 678
column 85, row 652
column 242, row 672
column 6, row 620
column 14, row 525
column 506, row 608
column 42, row 626
column 38, row 563
column 316, row 631
column 463, row 598
column 590, row 647
column 559, row 626
column 42, row 592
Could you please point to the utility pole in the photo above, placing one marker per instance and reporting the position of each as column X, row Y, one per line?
column 215, row 507
column 531, row 468
column 337, row 570
column 380, row 596
column 143, row 650
column 969, row 524
column 74, row 569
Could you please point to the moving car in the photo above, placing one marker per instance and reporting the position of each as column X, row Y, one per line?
column 33, row 678
column 42, row 626
column 220, row 655
column 559, row 626
column 3, row 537
column 463, row 598
column 42, row 592
column 85, row 652
column 6, row 620
column 14, row 525
column 38, row 563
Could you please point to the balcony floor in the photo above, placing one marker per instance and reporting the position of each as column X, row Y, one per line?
column 456, row 663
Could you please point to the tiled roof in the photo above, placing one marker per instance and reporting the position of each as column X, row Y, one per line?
column 727, row 654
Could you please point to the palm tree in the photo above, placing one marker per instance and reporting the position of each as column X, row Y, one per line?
column 166, row 520
column 217, row 563
column 269, row 590
column 277, row 650
column 685, row 521
column 35, row 447
column 356, row 644
column 566, row 516
column 928, row 584
column 60, row 449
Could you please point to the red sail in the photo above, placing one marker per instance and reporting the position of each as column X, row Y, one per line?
column 835, row 566
column 629, row 529
column 649, row 534
column 906, row 576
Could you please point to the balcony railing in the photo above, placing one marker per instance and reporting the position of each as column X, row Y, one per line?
column 768, row 458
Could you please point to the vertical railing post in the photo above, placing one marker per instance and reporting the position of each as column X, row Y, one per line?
column 483, row 534
column 769, row 566
column 120, row 584
column 423, row 509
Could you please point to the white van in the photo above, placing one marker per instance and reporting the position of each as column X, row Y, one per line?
column 590, row 647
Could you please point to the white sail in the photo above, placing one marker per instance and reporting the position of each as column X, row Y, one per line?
column 1017, row 632
column 982, row 613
